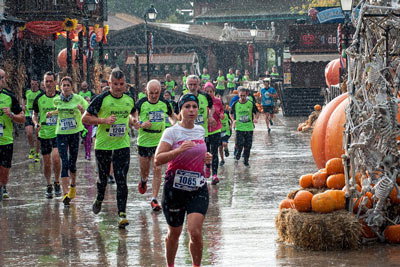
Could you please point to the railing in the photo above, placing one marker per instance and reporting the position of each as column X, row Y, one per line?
column 332, row 92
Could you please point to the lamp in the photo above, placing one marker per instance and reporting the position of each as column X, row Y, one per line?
column 346, row 5
column 253, row 30
column 150, row 14
column 91, row 5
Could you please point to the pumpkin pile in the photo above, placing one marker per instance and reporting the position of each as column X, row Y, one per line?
column 308, row 125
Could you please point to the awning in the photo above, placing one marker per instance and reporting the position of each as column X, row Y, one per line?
column 183, row 58
column 313, row 57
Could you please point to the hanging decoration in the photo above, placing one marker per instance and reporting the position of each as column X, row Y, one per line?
column 69, row 24
column 105, row 31
column 44, row 28
column 7, row 33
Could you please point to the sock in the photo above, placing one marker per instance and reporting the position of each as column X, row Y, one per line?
column 153, row 198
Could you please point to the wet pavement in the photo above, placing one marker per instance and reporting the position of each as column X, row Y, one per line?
column 239, row 229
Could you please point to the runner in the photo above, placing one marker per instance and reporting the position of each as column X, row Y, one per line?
column 170, row 85
column 267, row 100
column 225, row 135
column 110, row 110
column 10, row 111
column 220, row 81
column 88, row 95
column 205, row 77
column 69, row 110
column 244, row 116
column 206, row 109
column 174, row 107
column 184, row 78
column 42, row 104
column 214, row 130
column 150, row 121
column 27, row 101
column 230, row 77
column 185, row 192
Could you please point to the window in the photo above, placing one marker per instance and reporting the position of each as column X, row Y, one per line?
column 1, row 6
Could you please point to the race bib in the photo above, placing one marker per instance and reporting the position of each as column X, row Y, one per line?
column 156, row 116
column 67, row 124
column 117, row 130
column 244, row 118
column 267, row 102
column 1, row 130
column 199, row 120
column 188, row 180
column 51, row 121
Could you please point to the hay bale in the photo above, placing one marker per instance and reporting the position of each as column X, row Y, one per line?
column 332, row 231
column 314, row 191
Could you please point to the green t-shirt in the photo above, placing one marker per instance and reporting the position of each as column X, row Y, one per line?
column 7, row 99
column 274, row 74
column 86, row 94
column 155, row 113
column 41, row 105
column 141, row 95
column 220, row 83
column 205, row 101
column 243, row 114
column 245, row 78
column 225, row 124
column 112, row 137
column 230, row 78
column 184, row 78
column 69, row 119
column 30, row 97
column 205, row 78
column 170, row 86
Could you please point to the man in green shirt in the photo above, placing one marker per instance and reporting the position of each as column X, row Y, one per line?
column 184, row 78
column 220, row 81
column 112, row 111
column 244, row 115
column 46, row 127
column 274, row 72
column 205, row 77
column 10, row 111
column 230, row 77
column 150, row 121
column 27, row 100
column 85, row 92
column 170, row 85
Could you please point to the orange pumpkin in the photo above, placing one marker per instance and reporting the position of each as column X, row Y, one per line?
column 286, row 204
column 393, row 196
column 334, row 165
column 392, row 233
column 366, row 230
column 317, row 107
column 326, row 139
column 319, row 179
column 323, row 203
column 335, row 181
column 302, row 201
column 305, row 181
column 332, row 71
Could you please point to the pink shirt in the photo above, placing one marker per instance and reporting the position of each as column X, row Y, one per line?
column 218, row 109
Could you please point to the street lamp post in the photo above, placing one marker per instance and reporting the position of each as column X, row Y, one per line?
column 150, row 14
column 253, row 34
column 91, row 6
column 346, row 6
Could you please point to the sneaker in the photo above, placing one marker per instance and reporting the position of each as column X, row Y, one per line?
column 208, row 172
column 37, row 157
column 88, row 157
column 123, row 222
column 66, row 200
column 57, row 189
column 222, row 163
column 96, row 207
column 72, row 192
column 5, row 193
column 111, row 179
column 226, row 152
column 154, row 205
column 235, row 152
column 246, row 163
column 49, row 192
column 271, row 122
column 269, row 129
column 31, row 153
column 142, row 187
column 215, row 180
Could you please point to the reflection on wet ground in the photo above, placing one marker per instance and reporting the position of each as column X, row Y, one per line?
column 239, row 229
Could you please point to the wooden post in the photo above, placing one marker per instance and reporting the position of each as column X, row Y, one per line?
column 69, row 55
column 80, row 53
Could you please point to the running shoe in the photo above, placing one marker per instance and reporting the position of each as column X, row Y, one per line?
column 269, row 129
column 142, row 187
column 215, row 180
column 66, row 200
column 57, row 189
column 222, row 163
column 49, row 191
column 123, row 222
column 31, row 153
column 154, row 205
column 5, row 193
column 72, row 192
column 111, row 179
column 246, row 163
column 208, row 172
column 226, row 152
column 37, row 157
column 96, row 208
column 270, row 122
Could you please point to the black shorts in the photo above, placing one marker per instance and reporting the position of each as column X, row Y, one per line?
column 28, row 121
column 224, row 139
column 220, row 92
column 47, row 145
column 6, row 153
column 176, row 203
column 146, row 152
column 268, row 109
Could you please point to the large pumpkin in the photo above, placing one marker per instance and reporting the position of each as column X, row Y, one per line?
column 326, row 140
column 332, row 71
column 62, row 58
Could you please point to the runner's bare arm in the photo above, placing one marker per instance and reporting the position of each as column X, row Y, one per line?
column 90, row 119
column 18, row 118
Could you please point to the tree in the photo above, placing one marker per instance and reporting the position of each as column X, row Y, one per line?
column 303, row 8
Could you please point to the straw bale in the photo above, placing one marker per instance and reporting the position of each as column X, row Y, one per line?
column 338, row 230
